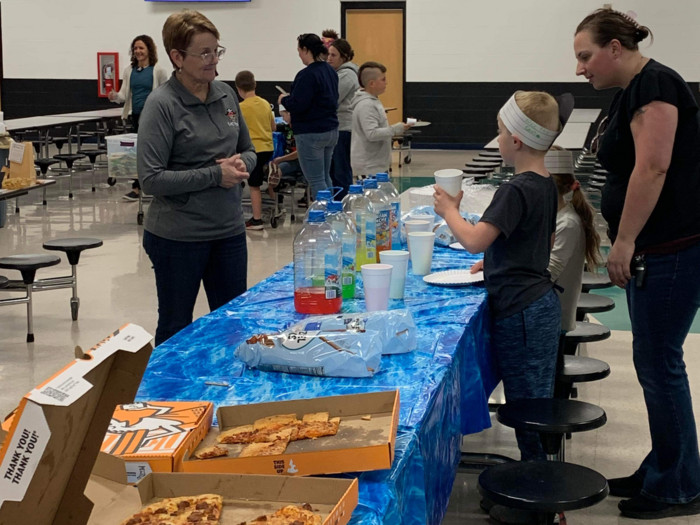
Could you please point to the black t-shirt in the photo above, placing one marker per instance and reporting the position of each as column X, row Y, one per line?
column 677, row 212
column 515, row 265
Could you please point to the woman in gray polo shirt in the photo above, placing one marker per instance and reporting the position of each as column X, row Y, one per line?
column 194, row 150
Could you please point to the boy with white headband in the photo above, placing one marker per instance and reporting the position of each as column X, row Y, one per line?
column 516, row 232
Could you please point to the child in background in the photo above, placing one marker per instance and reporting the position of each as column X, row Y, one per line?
column 261, row 123
column 575, row 241
column 516, row 232
column 370, row 146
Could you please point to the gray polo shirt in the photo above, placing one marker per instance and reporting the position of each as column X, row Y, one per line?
column 180, row 138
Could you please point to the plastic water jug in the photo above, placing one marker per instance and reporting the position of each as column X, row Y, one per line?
column 317, row 267
column 345, row 228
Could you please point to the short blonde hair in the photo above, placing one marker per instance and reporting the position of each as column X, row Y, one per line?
column 180, row 28
column 539, row 106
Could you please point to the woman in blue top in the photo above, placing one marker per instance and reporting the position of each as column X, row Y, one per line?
column 313, row 105
column 140, row 77
column 651, row 150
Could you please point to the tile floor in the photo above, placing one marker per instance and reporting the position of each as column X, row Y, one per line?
column 116, row 286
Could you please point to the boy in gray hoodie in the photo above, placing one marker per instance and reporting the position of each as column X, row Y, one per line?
column 370, row 150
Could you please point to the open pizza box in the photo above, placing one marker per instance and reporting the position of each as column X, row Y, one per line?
column 365, row 439
column 54, row 436
column 245, row 497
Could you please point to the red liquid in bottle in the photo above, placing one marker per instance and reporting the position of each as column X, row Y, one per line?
column 313, row 301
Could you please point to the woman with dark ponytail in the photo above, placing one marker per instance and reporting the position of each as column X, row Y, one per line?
column 313, row 105
column 651, row 150
column 575, row 240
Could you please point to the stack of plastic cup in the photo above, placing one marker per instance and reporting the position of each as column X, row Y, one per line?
column 399, row 260
column 376, row 279
column 421, row 244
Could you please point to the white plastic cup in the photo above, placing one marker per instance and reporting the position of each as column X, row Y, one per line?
column 424, row 217
column 449, row 180
column 376, row 279
column 410, row 120
column 399, row 260
column 416, row 225
column 421, row 251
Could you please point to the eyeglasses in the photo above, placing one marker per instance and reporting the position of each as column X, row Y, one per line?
column 595, row 143
column 208, row 57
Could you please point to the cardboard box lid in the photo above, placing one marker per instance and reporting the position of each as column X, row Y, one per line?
column 154, row 429
column 56, row 433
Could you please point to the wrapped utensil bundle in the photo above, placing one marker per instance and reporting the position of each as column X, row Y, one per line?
column 343, row 345
column 395, row 327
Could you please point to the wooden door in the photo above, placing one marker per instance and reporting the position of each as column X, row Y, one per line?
column 378, row 35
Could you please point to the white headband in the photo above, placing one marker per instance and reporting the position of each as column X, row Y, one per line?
column 526, row 129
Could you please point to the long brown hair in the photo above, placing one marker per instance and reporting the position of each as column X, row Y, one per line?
column 150, row 45
column 566, row 182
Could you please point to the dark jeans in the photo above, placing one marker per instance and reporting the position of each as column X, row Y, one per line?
column 661, row 313
column 341, row 171
column 525, row 347
column 180, row 267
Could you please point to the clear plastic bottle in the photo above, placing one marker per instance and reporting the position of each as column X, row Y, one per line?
column 345, row 228
column 392, row 194
column 317, row 267
column 382, row 209
column 360, row 209
column 323, row 197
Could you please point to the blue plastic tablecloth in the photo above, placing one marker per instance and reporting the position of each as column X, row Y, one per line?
column 444, row 384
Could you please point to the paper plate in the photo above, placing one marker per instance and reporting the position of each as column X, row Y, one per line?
column 454, row 278
column 457, row 246
column 421, row 123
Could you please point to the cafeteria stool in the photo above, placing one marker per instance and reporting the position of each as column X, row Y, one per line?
column 590, row 303
column 578, row 369
column 595, row 281
column 552, row 419
column 584, row 332
column 72, row 247
column 44, row 165
column 27, row 265
column 544, row 487
column 69, row 159
column 92, row 155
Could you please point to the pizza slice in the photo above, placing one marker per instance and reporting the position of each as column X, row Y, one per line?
column 315, row 417
column 274, row 422
column 242, row 434
column 204, row 509
column 267, row 435
column 290, row 515
column 317, row 429
column 214, row 451
column 264, row 449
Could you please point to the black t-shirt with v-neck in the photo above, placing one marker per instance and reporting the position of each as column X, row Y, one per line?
column 677, row 212
column 524, row 209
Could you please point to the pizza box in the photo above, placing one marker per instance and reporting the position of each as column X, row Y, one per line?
column 54, row 436
column 245, row 496
column 365, row 439
column 153, row 436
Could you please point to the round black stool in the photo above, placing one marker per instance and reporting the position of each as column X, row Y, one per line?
column 545, row 487
column 595, row 281
column 590, row 303
column 551, row 418
column 495, row 154
column 72, row 247
column 578, row 369
column 584, row 332
column 27, row 265
column 69, row 159
column 44, row 165
column 92, row 155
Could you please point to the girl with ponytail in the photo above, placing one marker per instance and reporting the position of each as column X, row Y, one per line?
column 575, row 240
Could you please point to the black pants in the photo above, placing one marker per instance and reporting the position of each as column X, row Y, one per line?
column 135, row 124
